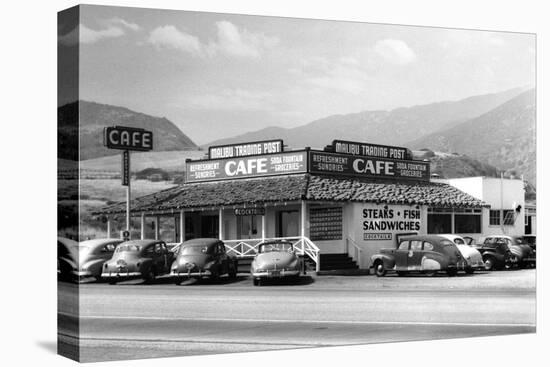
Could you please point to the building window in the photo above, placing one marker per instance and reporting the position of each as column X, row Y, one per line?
column 439, row 223
column 467, row 223
column 494, row 217
column 509, row 217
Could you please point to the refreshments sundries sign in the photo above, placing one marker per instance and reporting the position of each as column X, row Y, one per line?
column 245, row 149
column 358, row 166
column 371, row 150
column 246, row 167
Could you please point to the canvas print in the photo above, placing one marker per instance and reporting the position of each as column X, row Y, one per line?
column 232, row 183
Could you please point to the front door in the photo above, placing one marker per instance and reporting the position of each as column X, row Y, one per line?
column 401, row 255
column 414, row 257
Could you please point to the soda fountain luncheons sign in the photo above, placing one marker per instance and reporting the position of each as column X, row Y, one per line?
column 359, row 166
column 246, row 167
column 245, row 149
column 371, row 150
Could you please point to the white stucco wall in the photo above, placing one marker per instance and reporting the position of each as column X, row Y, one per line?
column 489, row 189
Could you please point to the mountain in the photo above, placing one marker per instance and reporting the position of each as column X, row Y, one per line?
column 94, row 117
column 503, row 137
column 454, row 165
column 393, row 127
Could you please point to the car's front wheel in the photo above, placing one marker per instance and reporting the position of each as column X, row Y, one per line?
column 256, row 281
column 379, row 269
column 469, row 270
column 489, row 263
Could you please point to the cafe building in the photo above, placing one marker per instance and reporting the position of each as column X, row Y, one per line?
column 344, row 202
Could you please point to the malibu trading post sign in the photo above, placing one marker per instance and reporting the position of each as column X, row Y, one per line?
column 245, row 149
column 128, row 138
column 246, row 167
column 358, row 166
column 370, row 150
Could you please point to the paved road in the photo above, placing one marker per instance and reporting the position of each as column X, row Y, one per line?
column 132, row 320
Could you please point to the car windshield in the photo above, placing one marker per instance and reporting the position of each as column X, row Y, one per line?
column 128, row 248
column 459, row 241
column 278, row 246
column 447, row 243
column 194, row 250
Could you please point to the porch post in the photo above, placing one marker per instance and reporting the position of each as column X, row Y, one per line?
column 182, row 226
column 303, row 219
column 157, row 229
column 263, row 226
column 142, row 226
column 220, row 231
column 108, row 227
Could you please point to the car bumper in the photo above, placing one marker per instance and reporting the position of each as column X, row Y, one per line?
column 120, row 274
column 276, row 273
column 183, row 274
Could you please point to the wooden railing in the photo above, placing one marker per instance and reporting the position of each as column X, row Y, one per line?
column 249, row 247
column 356, row 251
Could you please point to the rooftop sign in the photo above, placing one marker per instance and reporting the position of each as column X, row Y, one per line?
column 358, row 166
column 370, row 150
column 246, row 167
column 245, row 149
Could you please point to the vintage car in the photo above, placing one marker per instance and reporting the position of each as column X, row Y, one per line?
column 276, row 259
column 92, row 254
column 473, row 257
column 531, row 240
column 427, row 254
column 501, row 251
column 67, row 259
column 202, row 257
column 145, row 259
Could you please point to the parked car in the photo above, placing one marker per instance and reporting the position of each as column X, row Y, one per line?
column 531, row 240
column 473, row 257
column 496, row 253
column 502, row 251
column 276, row 259
column 145, row 259
column 67, row 259
column 427, row 254
column 92, row 254
column 203, row 257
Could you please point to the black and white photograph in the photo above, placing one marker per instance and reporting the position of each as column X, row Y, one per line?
column 246, row 184
column 232, row 183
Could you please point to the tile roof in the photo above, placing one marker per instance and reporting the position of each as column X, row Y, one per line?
column 297, row 187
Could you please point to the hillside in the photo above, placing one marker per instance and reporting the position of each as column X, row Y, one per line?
column 448, row 165
column 395, row 127
column 503, row 137
column 94, row 117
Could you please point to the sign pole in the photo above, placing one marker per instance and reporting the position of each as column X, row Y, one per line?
column 128, row 197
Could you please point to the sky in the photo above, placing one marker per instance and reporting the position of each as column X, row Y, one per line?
column 219, row 75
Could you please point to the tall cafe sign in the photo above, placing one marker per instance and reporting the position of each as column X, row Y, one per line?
column 127, row 139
